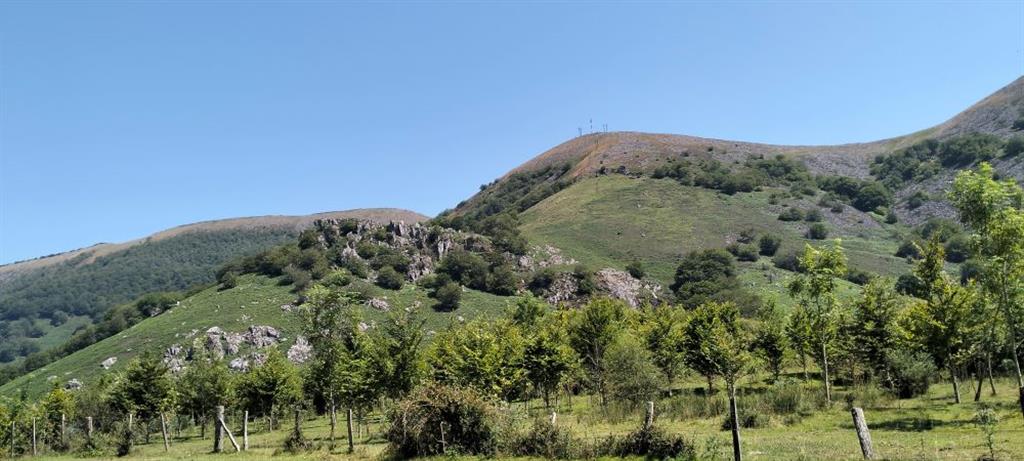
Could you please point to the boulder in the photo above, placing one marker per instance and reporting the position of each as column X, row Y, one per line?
column 109, row 362
column 301, row 351
column 73, row 385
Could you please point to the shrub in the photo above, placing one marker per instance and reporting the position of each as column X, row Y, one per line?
column 545, row 440
column 585, row 284
column 337, row 278
column 908, row 249
column 229, row 280
column 769, row 244
column 355, row 266
column 468, row 422
column 910, row 285
column 1014, row 146
column 789, row 261
column 631, row 373
column 891, row 218
column 911, row 373
column 502, row 280
column 817, row 231
column 636, row 269
column 448, row 296
column 813, row 215
column 702, row 274
column 915, row 201
column 297, row 277
column 542, row 280
column 650, row 442
column 749, row 418
column 958, row 249
column 466, row 268
column 858, row 276
column 971, row 270
column 743, row 252
column 791, row 214
column 389, row 278
column 871, row 196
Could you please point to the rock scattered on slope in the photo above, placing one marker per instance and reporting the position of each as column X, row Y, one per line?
column 109, row 362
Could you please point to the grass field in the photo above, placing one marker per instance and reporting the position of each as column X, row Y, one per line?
column 926, row 428
column 255, row 301
column 611, row 220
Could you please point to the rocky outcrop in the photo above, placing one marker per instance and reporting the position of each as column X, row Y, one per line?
column 620, row 285
column 261, row 336
column 174, row 358
column 301, row 351
column 109, row 362
column 379, row 304
column 73, row 385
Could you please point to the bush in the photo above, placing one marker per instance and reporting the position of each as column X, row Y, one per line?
column 915, row 201
column 466, row 268
column 650, row 442
column 337, row 278
column 958, row 249
column 468, row 422
column 910, row 285
column 228, row 280
column 788, row 261
column 911, row 373
column 1014, row 146
column 908, row 249
column 791, row 214
column 502, row 280
column 817, row 231
column 813, row 215
column 448, row 296
column 871, row 196
column 891, row 218
column 769, row 244
column 631, row 373
column 636, row 269
column 542, row 280
column 389, row 278
column 858, row 276
column 743, row 252
column 544, row 440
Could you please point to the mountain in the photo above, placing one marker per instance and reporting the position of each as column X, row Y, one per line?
column 589, row 210
column 44, row 300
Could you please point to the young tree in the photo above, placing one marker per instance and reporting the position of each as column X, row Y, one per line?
column 875, row 328
column 144, row 389
column 486, row 356
column 724, row 346
column 770, row 339
column 528, row 311
column 632, row 375
column 204, row 385
column 267, row 388
column 944, row 323
column 58, row 407
column 992, row 210
column 398, row 362
column 662, row 331
column 815, row 290
column 594, row 328
column 548, row 360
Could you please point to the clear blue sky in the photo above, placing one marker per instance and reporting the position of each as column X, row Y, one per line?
column 123, row 118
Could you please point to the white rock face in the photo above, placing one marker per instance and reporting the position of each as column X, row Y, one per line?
column 109, row 362
column 73, row 385
column 301, row 351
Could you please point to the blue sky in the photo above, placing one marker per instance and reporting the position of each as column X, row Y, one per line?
column 120, row 119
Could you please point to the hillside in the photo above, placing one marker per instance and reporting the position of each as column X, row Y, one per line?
column 256, row 301
column 43, row 301
column 636, row 153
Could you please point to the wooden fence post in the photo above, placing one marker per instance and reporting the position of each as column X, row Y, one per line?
column 649, row 416
column 862, row 433
column 35, row 451
column 218, row 431
column 351, row 443
column 554, row 417
column 63, row 429
column 12, row 439
column 88, row 428
column 231, row 438
column 334, row 423
column 163, row 431
column 245, row 431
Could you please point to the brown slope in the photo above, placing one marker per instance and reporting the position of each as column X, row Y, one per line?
column 272, row 221
column 642, row 151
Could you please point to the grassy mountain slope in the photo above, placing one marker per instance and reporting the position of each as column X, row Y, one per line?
column 256, row 300
column 39, row 296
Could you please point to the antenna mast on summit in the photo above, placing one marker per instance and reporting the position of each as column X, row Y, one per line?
column 591, row 125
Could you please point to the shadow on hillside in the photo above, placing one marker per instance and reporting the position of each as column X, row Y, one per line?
column 907, row 424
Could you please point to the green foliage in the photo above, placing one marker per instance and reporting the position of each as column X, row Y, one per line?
column 651, row 442
column 448, row 296
column 545, row 440
column 144, row 389
column 548, row 360
column 592, row 331
column 464, row 267
column 631, row 374
column 791, row 214
column 662, row 334
column 267, row 389
column 875, row 328
column 967, row 149
column 636, row 269
column 815, row 292
column 769, row 244
column 389, row 278
column 911, row 373
column 79, row 287
column 205, row 384
column 926, row 158
column 987, row 419
column 486, row 357
column 702, row 274
column 770, row 340
column 817, row 231
column 716, row 344
column 57, row 408
column 467, row 419
column 1014, row 146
